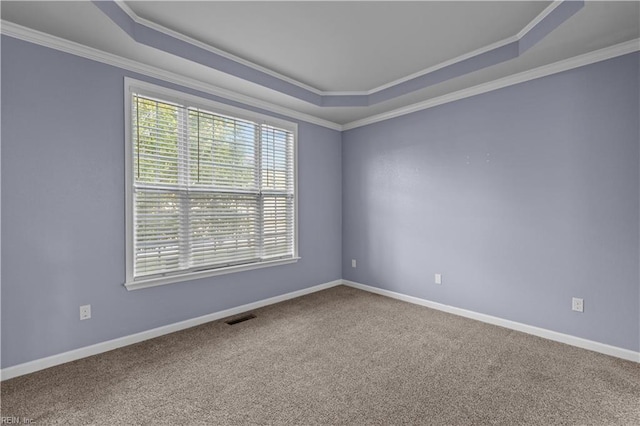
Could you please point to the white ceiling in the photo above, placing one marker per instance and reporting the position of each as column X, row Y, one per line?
column 343, row 46
column 330, row 52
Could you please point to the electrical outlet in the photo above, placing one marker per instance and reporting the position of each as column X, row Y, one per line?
column 438, row 278
column 85, row 312
column 353, row 263
column 577, row 304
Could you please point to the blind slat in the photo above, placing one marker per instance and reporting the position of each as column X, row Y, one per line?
column 209, row 190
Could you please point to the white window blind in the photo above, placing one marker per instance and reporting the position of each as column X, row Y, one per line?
column 208, row 190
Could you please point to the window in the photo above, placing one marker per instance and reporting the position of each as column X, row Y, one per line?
column 210, row 189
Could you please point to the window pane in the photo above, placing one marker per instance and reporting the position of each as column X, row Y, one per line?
column 277, row 159
column 222, row 152
column 157, row 231
column 156, row 134
column 224, row 228
column 278, row 225
column 209, row 190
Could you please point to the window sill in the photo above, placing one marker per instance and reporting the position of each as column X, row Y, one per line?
column 156, row 281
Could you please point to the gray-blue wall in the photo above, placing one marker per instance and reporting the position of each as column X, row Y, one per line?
column 522, row 198
column 63, row 213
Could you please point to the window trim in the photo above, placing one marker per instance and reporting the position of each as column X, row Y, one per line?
column 143, row 88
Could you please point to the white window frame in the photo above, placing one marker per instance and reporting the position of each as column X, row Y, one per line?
column 132, row 86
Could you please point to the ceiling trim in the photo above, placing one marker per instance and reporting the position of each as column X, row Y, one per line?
column 535, row 73
column 542, row 15
column 47, row 40
column 450, row 62
column 529, row 27
column 212, row 49
column 160, row 38
column 157, row 36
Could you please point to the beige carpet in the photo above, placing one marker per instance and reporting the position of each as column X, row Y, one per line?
column 340, row 356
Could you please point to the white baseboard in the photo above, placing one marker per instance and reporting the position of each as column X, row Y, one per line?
column 53, row 360
column 529, row 329
column 87, row 351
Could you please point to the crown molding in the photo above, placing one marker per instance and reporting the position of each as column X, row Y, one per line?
column 547, row 10
column 212, row 49
column 56, row 43
column 47, row 40
column 428, row 70
column 125, row 7
column 444, row 64
column 543, row 71
column 516, row 38
column 160, row 37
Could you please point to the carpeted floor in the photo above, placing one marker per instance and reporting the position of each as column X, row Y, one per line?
column 340, row 356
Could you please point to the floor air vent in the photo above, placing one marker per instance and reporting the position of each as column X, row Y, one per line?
column 240, row 319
